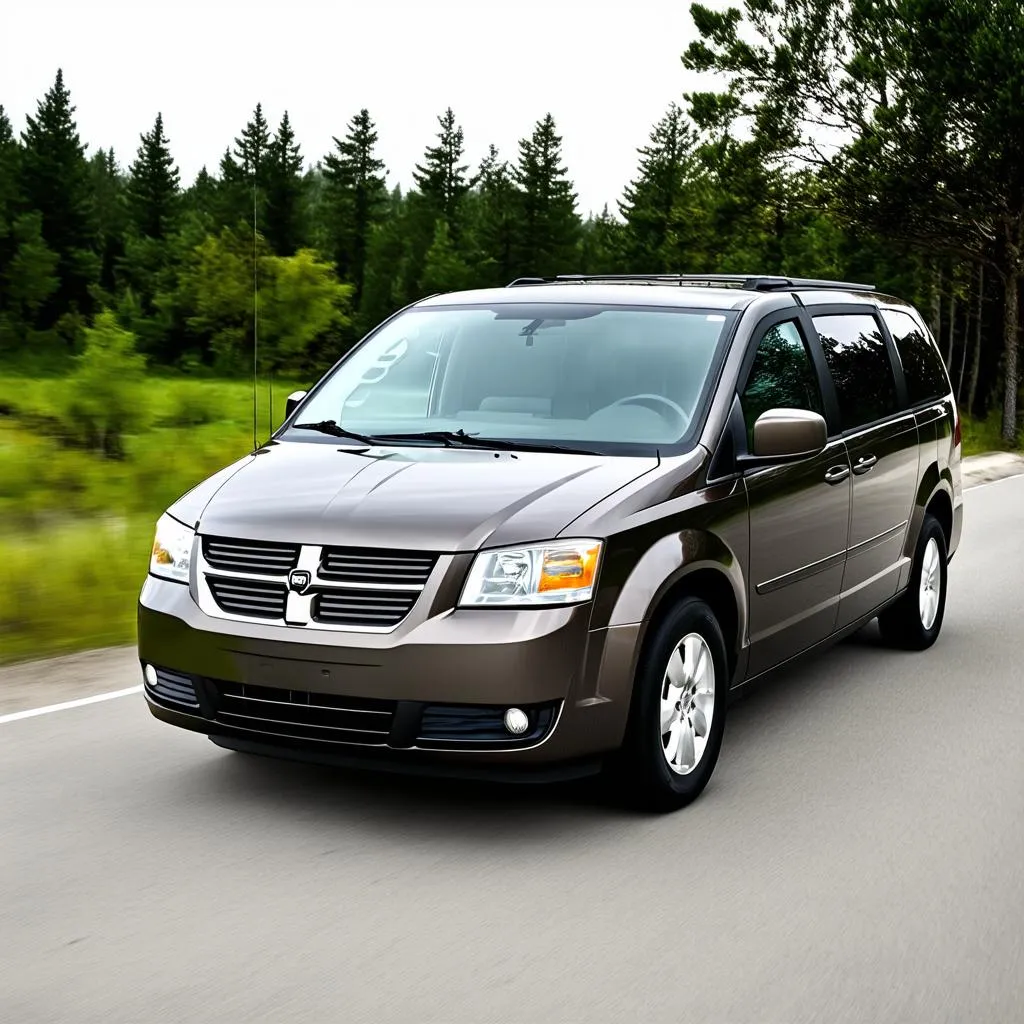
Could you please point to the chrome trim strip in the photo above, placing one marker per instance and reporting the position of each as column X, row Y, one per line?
column 805, row 572
column 879, row 538
column 298, row 704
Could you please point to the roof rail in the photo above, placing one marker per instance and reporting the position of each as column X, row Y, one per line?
column 746, row 282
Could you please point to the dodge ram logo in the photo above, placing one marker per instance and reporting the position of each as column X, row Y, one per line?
column 298, row 580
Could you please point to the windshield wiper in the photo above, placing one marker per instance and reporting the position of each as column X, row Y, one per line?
column 460, row 439
column 335, row 429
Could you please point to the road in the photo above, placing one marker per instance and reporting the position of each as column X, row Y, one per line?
column 857, row 857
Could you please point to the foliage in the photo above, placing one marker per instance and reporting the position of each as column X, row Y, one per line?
column 930, row 148
column 107, row 389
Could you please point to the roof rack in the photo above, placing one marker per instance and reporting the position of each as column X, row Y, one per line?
column 745, row 282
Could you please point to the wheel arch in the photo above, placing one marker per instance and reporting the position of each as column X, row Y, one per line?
column 694, row 563
column 934, row 497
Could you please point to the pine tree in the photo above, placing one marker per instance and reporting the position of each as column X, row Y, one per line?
column 284, row 212
column 441, row 179
column 601, row 245
column 154, row 190
column 201, row 197
column 109, row 192
column 658, row 205
column 27, row 267
column 243, row 172
column 55, row 180
column 444, row 270
column 10, row 191
column 252, row 147
column 549, row 226
column 495, row 227
column 356, row 198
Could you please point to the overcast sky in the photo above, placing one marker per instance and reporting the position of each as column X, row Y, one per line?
column 606, row 71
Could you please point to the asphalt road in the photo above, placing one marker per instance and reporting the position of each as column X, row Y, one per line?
column 858, row 856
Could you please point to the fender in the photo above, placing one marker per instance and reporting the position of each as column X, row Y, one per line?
column 636, row 596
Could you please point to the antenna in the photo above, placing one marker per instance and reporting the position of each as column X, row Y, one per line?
column 255, row 313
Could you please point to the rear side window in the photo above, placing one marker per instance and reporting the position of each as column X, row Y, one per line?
column 922, row 365
column 782, row 376
column 861, row 369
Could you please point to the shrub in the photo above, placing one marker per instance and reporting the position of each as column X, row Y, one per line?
column 107, row 388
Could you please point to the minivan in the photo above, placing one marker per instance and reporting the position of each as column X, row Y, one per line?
column 551, row 529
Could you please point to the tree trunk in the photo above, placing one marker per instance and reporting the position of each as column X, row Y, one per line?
column 972, row 391
column 952, row 324
column 1011, row 325
column 937, row 302
column 966, row 347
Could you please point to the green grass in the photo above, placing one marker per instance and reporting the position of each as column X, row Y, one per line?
column 75, row 528
column 983, row 436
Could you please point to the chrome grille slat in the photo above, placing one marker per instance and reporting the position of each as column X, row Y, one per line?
column 354, row 607
column 304, row 715
column 246, row 556
column 254, row 598
column 224, row 715
column 174, row 688
column 363, row 565
column 304, row 704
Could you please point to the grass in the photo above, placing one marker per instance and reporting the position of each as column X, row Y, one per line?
column 75, row 528
column 983, row 436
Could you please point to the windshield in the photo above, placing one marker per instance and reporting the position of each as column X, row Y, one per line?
column 589, row 376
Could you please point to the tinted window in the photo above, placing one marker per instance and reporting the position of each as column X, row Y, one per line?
column 861, row 369
column 922, row 365
column 782, row 376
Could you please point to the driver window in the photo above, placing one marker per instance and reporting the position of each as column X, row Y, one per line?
column 782, row 377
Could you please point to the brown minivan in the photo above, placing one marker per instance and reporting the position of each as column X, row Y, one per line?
column 549, row 529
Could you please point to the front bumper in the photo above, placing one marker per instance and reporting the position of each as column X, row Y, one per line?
column 428, row 697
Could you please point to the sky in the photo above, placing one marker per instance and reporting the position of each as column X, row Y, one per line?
column 605, row 71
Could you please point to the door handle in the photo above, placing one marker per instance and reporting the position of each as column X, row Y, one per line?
column 864, row 463
column 837, row 474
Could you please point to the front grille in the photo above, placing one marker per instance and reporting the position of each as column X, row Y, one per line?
column 258, row 599
column 363, row 566
column 250, row 556
column 173, row 688
column 303, row 715
column 380, row 608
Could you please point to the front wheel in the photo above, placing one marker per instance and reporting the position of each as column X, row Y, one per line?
column 915, row 620
column 677, row 718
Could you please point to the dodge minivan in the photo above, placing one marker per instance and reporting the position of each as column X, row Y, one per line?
column 550, row 529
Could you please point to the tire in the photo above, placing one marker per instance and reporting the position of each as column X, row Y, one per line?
column 913, row 623
column 689, row 642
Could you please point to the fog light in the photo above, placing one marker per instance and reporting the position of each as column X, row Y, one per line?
column 150, row 675
column 516, row 721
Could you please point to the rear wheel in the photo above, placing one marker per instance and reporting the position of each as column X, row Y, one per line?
column 915, row 620
column 677, row 718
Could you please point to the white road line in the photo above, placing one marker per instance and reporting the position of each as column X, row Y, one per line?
column 68, row 704
column 988, row 483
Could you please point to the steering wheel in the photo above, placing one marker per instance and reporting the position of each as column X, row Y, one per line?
column 658, row 404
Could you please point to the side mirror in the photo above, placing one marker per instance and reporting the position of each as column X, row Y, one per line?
column 292, row 402
column 785, row 435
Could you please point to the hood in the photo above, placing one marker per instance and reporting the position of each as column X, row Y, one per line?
column 430, row 499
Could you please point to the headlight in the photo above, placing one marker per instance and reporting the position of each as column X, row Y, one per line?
column 172, row 550
column 561, row 572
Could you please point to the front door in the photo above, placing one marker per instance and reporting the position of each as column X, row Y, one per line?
column 882, row 438
column 799, row 513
